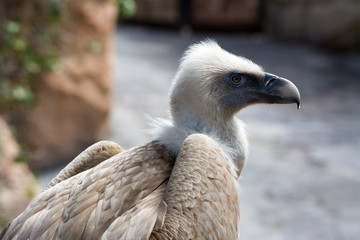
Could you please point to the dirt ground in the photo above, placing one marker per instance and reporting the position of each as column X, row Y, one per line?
column 302, row 178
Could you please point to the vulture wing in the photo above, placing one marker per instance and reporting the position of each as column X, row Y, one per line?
column 140, row 194
column 201, row 196
column 89, row 158
column 85, row 205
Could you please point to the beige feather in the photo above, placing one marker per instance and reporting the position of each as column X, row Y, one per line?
column 89, row 158
column 87, row 209
column 194, row 208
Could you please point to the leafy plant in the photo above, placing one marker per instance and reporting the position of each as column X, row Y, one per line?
column 29, row 46
column 27, row 50
column 127, row 8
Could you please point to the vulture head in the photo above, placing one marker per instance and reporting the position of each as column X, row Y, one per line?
column 210, row 87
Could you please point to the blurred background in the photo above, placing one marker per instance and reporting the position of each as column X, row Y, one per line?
column 76, row 72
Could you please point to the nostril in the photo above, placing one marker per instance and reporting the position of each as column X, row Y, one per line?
column 270, row 82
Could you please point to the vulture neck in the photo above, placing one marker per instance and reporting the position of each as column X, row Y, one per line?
column 225, row 129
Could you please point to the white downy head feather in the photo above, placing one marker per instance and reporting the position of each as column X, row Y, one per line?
column 193, row 107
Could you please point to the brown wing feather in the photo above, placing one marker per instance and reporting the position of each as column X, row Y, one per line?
column 92, row 200
column 125, row 196
column 87, row 159
column 201, row 197
column 138, row 222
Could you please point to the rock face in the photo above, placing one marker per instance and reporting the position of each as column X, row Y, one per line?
column 17, row 183
column 73, row 104
column 331, row 23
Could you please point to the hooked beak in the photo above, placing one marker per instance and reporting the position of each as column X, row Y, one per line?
column 280, row 90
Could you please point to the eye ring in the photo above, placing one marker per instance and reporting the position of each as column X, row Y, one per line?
column 236, row 79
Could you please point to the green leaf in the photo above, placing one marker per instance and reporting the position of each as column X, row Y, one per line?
column 55, row 9
column 32, row 66
column 5, row 89
column 12, row 27
column 53, row 64
column 127, row 8
column 19, row 44
column 21, row 156
column 22, row 94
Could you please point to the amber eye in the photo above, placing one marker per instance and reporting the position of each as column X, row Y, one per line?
column 236, row 78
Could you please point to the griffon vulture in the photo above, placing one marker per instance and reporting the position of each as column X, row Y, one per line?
column 181, row 185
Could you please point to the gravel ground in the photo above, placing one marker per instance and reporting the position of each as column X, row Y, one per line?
column 302, row 178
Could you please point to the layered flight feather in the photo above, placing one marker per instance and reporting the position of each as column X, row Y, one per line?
column 138, row 194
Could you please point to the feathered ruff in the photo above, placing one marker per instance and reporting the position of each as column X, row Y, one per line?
column 172, row 136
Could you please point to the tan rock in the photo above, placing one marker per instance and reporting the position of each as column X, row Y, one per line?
column 73, row 104
column 17, row 183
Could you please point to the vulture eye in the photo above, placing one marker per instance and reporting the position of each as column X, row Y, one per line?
column 236, row 79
